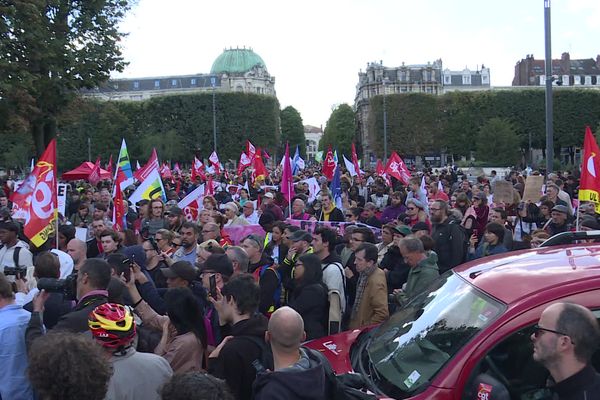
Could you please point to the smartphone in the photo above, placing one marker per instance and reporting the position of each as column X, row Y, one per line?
column 213, row 286
column 125, row 269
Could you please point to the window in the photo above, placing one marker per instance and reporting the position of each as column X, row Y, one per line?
column 136, row 85
column 466, row 79
column 588, row 80
column 173, row 82
column 565, row 80
column 193, row 82
column 156, row 84
column 485, row 79
column 447, row 79
column 577, row 80
column 542, row 80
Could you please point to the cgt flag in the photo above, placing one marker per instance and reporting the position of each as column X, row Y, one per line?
column 589, row 187
column 41, row 202
column 396, row 168
column 151, row 188
column 119, row 208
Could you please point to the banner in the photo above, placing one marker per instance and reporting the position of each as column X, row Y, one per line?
column 150, row 188
column 339, row 227
column 589, row 186
column 40, row 204
column 119, row 211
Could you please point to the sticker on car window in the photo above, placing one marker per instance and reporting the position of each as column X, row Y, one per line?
column 412, row 378
column 484, row 392
column 482, row 317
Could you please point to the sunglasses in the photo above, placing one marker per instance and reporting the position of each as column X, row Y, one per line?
column 538, row 330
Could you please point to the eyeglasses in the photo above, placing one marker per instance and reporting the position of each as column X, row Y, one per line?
column 176, row 244
column 349, row 215
column 411, row 208
column 356, row 240
column 255, row 239
column 538, row 330
column 203, row 231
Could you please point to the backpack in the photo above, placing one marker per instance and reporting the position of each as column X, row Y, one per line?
column 335, row 303
column 258, row 273
column 16, row 252
column 452, row 228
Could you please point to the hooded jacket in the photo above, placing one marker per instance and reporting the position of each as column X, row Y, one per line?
column 450, row 243
column 269, row 280
column 234, row 363
column 304, row 380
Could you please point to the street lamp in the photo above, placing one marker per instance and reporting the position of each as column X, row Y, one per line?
column 549, row 134
column 385, row 149
column 213, row 83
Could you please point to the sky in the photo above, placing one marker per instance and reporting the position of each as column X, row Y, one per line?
column 315, row 49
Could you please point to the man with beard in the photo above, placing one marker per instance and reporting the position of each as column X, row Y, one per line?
column 448, row 235
column 175, row 218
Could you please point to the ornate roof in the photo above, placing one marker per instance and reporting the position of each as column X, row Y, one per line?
column 236, row 61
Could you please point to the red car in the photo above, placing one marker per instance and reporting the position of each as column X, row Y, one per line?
column 468, row 335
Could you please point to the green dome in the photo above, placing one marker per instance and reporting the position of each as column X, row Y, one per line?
column 236, row 61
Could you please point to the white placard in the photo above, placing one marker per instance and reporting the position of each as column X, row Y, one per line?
column 61, row 195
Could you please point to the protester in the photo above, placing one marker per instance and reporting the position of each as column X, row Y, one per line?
column 265, row 272
column 156, row 220
column 329, row 212
column 189, row 243
column 195, row 386
column 77, row 249
column 423, row 269
column 135, row 375
column 559, row 221
column 14, row 252
column 491, row 243
column 448, row 235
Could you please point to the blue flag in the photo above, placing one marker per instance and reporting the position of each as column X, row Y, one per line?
column 336, row 187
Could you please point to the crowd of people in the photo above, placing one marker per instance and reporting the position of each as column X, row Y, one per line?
column 175, row 308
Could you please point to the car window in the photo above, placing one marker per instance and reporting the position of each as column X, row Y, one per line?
column 408, row 350
column 508, row 371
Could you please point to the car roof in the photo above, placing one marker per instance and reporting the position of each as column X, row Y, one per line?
column 510, row 277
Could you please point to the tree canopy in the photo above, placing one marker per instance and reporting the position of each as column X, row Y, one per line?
column 340, row 130
column 292, row 131
column 48, row 51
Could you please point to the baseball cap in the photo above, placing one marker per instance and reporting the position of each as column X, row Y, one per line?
column 562, row 209
column 231, row 206
column 218, row 263
column 175, row 211
column 269, row 195
column 402, row 229
column 181, row 269
column 420, row 226
column 301, row 235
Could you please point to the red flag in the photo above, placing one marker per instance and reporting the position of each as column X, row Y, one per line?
column 198, row 170
column 214, row 161
column 266, row 155
column 177, row 169
column 165, row 171
column 355, row 160
column 40, row 205
column 142, row 173
column 209, row 189
column 260, row 171
column 109, row 166
column 328, row 165
column 287, row 184
column 190, row 204
column 250, row 150
column 245, row 162
column 589, row 186
column 119, row 211
column 395, row 167
column 94, row 176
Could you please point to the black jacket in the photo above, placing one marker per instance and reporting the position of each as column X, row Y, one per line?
column 234, row 363
column 312, row 304
column 55, row 307
column 583, row 385
column 305, row 380
column 92, row 248
column 336, row 215
column 450, row 244
column 269, row 281
column 393, row 261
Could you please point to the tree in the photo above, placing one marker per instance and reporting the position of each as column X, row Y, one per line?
column 292, row 130
column 48, row 51
column 340, row 130
column 498, row 142
column 169, row 147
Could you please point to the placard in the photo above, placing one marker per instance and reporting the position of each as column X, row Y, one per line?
column 61, row 195
column 533, row 188
column 503, row 192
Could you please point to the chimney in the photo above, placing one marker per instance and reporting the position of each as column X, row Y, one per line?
column 598, row 61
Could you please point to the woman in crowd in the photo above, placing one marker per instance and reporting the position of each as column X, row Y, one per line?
column 209, row 203
column 525, row 223
column 82, row 218
column 491, row 243
column 477, row 215
column 65, row 234
column 387, row 238
column 183, row 339
column 310, row 297
column 275, row 248
column 462, row 202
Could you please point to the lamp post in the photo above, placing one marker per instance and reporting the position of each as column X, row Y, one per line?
column 385, row 149
column 549, row 133
column 213, row 83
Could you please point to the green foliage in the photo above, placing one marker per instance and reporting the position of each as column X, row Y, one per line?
column 49, row 50
column 292, row 131
column 419, row 124
column 340, row 130
column 497, row 142
column 178, row 126
column 16, row 152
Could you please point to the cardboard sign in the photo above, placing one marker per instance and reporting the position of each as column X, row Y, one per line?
column 533, row 188
column 61, row 195
column 503, row 192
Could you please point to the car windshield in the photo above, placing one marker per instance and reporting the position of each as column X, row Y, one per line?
column 408, row 350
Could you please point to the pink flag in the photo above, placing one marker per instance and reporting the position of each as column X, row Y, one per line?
column 152, row 164
column 94, row 176
column 214, row 160
column 287, row 184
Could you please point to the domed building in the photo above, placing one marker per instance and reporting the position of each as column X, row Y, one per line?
column 235, row 70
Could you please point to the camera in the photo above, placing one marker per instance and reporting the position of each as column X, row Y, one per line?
column 16, row 271
column 67, row 286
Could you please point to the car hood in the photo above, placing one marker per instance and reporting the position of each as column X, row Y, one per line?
column 337, row 348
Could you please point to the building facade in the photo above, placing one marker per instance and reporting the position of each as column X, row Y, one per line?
column 235, row 70
column 313, row 136
column 565, row 72
column 430, row 78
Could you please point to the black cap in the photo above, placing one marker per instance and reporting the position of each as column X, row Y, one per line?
column 301, row 235
column 175, row 211
column 9, row 226
column 181, row 269
column 218, row 263
column 420, row 226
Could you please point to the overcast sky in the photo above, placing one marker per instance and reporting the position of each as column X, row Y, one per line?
column 315, row 49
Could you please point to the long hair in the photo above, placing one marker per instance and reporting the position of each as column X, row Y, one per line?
column 312, row 270
column 185, row 313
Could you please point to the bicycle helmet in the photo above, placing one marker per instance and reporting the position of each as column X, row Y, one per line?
column 112, row 325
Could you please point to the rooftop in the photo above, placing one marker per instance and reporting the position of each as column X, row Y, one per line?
column 236, row 61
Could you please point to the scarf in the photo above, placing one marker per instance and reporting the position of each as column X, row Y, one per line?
column 360, row 288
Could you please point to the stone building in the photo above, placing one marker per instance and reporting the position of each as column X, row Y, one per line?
column 312, row 135
column 430, row 78
column 565, row 72
column 235, row 70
